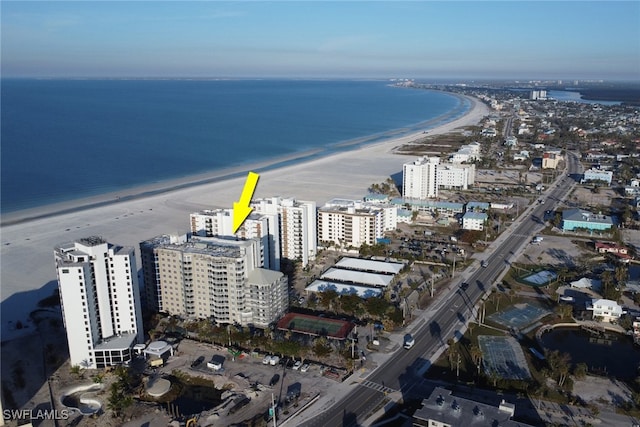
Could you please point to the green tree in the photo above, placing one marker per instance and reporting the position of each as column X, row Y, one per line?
column 118, row 400
column 580, row 371
column 321, row 348
column 376, row 307
column 351, row 303
column 564, row 311
column 328, row 298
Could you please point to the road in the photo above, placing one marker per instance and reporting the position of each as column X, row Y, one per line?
column 447, row 318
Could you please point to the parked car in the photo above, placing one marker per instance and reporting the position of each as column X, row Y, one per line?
column 305, row 367
column 274, row 380
column 267, row 360
column 297, row 365
column 197, row 362
column 274, row 360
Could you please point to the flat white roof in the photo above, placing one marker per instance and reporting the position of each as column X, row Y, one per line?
column 359, row 277
column 341, row 288
column 370, row 265
column 118, row 342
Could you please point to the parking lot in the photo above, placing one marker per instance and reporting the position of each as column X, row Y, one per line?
column 252, row 376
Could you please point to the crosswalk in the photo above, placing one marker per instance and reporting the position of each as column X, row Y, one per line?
column 377, row 387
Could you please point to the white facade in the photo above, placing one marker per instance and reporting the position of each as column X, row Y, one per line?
column 297, row 224
column 214, row 278
column 607, row 310
column 474, row 221
column 100, row 300
column 350, row 223
column 456, row 176
column 262, row 226
column 466, row 153
column 419, row 178
column 598, row 175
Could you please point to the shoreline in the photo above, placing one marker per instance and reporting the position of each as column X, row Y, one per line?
column 28, row 274
column 175, row 184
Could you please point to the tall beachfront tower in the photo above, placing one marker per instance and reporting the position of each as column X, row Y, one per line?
column 297, row 226
column 100, row 300
column 354, row 223
column 258, row 225
column 213, row 278
column 419, row 178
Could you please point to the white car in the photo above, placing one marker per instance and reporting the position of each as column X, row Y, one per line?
column 305, row 367
column 274, row 360
column 297, row 365
column 266, row 360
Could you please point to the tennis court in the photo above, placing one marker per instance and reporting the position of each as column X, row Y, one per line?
column 504, row 357
column 519, row 315
column 541, row 278
column 314, row 325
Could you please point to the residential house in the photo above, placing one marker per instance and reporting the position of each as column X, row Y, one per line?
column 605, row 310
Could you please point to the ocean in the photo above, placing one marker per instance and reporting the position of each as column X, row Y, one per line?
column 70, row 139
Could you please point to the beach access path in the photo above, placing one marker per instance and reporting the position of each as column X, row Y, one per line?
column 27, row 270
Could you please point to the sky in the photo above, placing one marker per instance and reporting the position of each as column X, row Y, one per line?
column 306, row 39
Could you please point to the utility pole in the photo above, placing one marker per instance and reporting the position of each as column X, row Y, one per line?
column 453, row 270
column 273, row 410
column 353, row 345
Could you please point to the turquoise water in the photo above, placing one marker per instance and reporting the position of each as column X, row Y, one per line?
column 69, row 139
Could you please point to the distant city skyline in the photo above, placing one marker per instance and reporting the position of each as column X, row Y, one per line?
column 360, row 39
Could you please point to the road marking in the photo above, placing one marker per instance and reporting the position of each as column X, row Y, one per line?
column 377, row 387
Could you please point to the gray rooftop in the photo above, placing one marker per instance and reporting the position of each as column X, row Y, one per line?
column 117, row 342
column 262, row 276
column 442, row 407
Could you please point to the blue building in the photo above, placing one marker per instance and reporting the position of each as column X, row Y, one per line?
column 578, row 218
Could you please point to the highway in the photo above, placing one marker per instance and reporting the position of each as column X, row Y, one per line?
column 447, row 318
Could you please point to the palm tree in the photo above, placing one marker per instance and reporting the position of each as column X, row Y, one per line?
column 476, row 356
column 452, row 351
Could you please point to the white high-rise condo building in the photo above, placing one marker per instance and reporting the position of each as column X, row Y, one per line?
column 352, row 223
column 214, row 278
column 456, row 176
column 263, row 226
column 297, row 225
column 419, row 178
column 100, row 301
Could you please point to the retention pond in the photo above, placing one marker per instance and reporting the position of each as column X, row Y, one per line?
column 605, row 353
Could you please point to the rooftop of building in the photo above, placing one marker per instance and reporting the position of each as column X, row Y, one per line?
column 357, row 277
column 264, row 276
column 475, row 215
column 343, row 289
column 577, row 214
column 443, row 407
column 213, row 246
column 428, row 203
column 361, row 264
column 117, row 342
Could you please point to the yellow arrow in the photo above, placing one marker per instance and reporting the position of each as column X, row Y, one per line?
column 241, row 209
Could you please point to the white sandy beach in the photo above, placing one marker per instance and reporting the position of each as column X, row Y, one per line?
column 27, row 269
